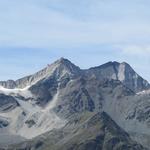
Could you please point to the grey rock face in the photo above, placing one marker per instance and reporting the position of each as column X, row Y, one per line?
column 3, row 123
column 30, row 123
column 44, row 90
column 88, row 94
column 122, row 72
column 8, row 84
column 7, row 103
column 60, row 73
column 131, row 79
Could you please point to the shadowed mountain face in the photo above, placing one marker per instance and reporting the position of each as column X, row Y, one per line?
column 65, row 107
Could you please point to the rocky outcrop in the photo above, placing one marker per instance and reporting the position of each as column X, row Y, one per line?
column 7, row 103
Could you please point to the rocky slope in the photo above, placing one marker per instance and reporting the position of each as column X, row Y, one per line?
column 62, row 100
column 81, row 133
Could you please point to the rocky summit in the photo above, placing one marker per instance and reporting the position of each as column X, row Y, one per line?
column 63, row 107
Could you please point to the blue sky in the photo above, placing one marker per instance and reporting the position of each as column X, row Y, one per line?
column 34, row 33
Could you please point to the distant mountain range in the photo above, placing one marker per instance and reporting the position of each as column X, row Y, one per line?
column 63, row 107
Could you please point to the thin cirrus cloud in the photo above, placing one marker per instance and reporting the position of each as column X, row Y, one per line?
column 142, row 50
column 98, row 30
column 29, row 23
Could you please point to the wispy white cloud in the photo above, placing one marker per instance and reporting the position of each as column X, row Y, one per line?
column 49, row 23
column 136, row 50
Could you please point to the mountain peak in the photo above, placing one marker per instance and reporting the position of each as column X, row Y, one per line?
column 116, row 63
column 122, row 72
column 62, row 60
column 125, row 64
column 65, row 64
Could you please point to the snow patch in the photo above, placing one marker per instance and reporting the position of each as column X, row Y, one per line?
column 14, row 92
column 143, row 92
